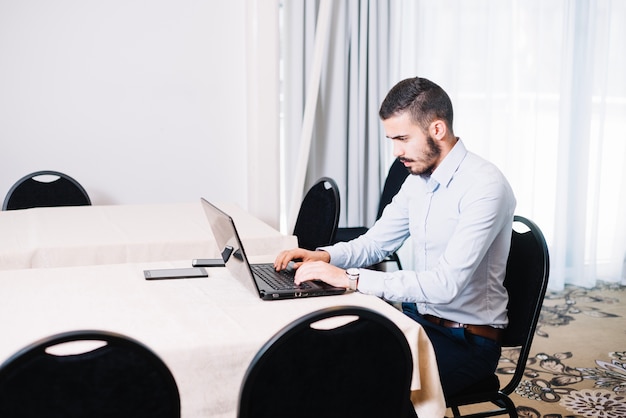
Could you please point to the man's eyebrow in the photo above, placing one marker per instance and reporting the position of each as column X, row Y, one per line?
column 398, row 136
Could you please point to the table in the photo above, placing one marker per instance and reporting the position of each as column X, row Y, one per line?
column 92, row 235
column 206, row 330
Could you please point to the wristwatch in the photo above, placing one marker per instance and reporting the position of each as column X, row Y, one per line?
column 353, row 278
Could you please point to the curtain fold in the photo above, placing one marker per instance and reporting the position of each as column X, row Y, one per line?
column 348, row 143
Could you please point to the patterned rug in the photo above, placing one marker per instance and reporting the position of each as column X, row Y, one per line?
column 577, row 364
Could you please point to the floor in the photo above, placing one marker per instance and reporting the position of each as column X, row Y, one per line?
column 577, row 364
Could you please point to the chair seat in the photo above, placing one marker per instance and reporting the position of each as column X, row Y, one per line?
column 347, row 234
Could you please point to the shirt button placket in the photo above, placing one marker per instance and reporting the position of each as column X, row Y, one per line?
column 431, row 187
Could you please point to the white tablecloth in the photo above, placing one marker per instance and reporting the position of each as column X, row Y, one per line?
column 92, row 235
column 206, row 330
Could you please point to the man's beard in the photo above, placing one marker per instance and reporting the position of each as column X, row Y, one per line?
column 429, row 159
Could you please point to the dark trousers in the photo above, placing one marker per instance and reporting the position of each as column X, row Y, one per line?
column 463, row 359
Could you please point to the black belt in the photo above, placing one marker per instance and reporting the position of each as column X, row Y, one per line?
column 485, row 331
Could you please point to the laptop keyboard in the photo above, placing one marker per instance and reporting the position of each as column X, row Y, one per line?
column 278, row 280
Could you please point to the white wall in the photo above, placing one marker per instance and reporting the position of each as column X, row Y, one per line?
column 141, row 101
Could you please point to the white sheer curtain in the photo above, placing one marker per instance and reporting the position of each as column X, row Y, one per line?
column 539, row 88
column 347, row 143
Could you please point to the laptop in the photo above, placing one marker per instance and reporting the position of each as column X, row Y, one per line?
column 261, row 279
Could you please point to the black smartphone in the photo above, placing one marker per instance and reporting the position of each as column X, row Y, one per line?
column 180, row 273
column 207, row 262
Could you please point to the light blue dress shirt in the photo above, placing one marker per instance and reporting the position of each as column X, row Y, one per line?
column 460, row 222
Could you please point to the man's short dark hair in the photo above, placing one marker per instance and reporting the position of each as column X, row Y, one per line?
column 425, row 101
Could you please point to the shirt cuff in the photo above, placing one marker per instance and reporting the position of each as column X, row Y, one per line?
column 337, row 258
column 371, row 282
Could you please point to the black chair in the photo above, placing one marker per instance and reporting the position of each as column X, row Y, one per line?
column 526, row 281
column 31, row 191
column 318, row 216
column 396, row 176
column 358, row 369
column 121, row 379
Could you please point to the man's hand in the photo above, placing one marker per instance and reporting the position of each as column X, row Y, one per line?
column 300, row 254
column 320, row 270
column 312, row 265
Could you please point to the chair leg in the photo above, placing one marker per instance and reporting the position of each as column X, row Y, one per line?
column 506, row 404
column 510, row 406
column 503, row 402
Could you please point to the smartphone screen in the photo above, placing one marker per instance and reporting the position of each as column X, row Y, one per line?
column 179, row 273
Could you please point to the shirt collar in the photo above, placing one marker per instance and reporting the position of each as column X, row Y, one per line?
column 444, row 172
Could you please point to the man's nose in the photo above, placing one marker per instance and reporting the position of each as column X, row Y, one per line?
column 398, row 150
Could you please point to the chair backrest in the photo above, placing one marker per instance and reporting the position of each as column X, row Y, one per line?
column 35, row 190
column 359, row 369
column 318, row 217
column 396, row 176
column 526, row 281
column 122, row 378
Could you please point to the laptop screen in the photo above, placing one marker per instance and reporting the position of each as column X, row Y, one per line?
column 229, row 245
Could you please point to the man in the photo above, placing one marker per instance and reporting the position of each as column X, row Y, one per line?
column 458, row 211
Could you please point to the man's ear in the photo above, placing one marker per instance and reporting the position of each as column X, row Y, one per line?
column 438, row 129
